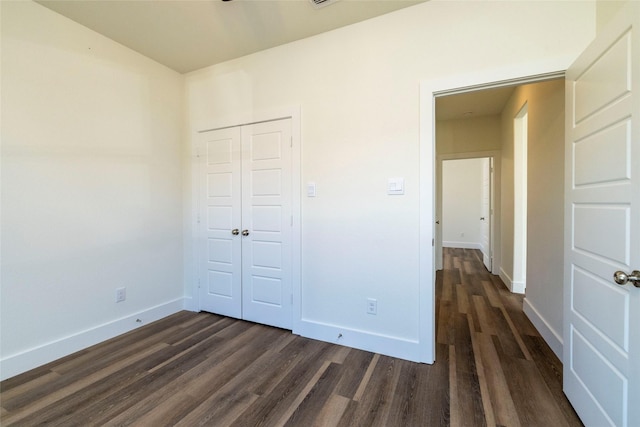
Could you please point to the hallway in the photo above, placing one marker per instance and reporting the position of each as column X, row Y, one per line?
column 501, row 372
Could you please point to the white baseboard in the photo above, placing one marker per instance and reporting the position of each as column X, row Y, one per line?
column 518, row 287
column 190, row 304
column 549, row 334
column 461, row 245
column 515, row 287
column 383, row 344
column 505, row 278
column 21, row 362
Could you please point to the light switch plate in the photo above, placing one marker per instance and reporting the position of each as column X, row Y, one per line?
column 395, row 186
column 311, row 189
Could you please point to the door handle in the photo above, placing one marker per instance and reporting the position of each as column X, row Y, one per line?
column 438, row 222
column 235, row 231
column 481, row 218
column 622, row 278
column 245, row 232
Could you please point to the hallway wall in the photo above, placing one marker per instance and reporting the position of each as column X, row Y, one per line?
column 545, row 204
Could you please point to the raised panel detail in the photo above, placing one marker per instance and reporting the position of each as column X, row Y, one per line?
column 219, row 218
column 267, row 218
column 266, row 182
column 266, row 290
column 604, row 156
column 599, row 376
column 267, row 254
column 220, row 283
column 604, row 305
column 220, row 250
column 602, row 230
column 602, row 83
column 219, row 151
column 219, row 184
column 266, row 146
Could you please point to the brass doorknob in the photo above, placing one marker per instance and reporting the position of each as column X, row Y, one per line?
column 245, row 232
column 235, row 231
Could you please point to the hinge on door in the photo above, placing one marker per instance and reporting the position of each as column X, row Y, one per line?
column 198, row 218
column 291, row 299
column 292, row 220
column 291, row 142
column 198, row 283
column 433, row 242
column 198, row 152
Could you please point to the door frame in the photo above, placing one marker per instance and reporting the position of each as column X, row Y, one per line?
column 494, row 215
column 194, row 253
column 533, row 72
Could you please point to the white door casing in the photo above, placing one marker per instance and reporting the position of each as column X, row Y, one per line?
column 494, row 204
column 602, row 226
column 246, row 215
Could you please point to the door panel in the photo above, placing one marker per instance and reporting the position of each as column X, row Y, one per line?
column 598, row 156
column 219, row 215
column 602, row 223
column 601, row 84
column 267, row 213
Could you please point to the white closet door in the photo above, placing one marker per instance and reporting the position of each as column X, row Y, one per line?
column 220, row 214
column 267, row 223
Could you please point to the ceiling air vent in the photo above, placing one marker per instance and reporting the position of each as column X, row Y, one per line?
column 321, row 3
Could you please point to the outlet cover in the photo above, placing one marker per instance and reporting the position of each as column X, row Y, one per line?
column 121, row 294
column 372, row 306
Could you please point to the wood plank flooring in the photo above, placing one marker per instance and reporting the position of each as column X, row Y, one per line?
column 199, row 369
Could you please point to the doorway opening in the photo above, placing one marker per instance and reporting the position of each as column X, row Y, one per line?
column 465, row 204
column 431, row 92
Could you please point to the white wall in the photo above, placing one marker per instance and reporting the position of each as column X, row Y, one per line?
column 461, row 203
column 358, row 90
column 91, row 187
column 606, row 10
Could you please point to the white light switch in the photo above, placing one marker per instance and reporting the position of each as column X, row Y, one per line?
column 311, row 189
column 395, row 186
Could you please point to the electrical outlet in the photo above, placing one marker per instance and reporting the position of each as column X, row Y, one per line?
column 372, row 306
column 121, row 294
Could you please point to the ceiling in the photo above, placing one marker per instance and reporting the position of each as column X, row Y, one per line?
column 486, row 102
column 187, row 35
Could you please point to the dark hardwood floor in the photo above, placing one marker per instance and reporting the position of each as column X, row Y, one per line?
column 194, row 369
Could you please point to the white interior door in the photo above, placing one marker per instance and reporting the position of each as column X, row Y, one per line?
column 485, row 212
column 220, row 276
column 267, row 223
column 246, row 217
column 602, row 223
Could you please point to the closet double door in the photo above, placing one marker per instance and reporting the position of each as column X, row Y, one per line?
column 245, row 219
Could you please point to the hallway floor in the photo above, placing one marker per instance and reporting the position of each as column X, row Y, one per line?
column 501, row 372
